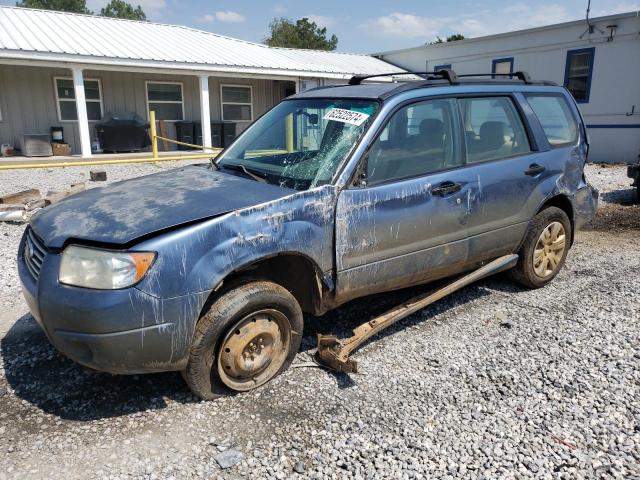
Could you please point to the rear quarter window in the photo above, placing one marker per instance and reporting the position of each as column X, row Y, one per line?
column 556, row 118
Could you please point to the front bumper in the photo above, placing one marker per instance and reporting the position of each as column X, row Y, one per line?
column 118, row 331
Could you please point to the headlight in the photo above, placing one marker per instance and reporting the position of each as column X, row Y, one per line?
column 103, row 269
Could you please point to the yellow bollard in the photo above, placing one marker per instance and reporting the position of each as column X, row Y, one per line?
column 154, row 137
column 289, row 132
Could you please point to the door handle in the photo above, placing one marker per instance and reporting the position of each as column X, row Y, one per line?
column 534, row 169
column 446, row 188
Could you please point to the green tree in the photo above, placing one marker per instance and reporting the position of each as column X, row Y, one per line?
column 451, row 38
column 122, row 9
column 302, row 34
column 75, row 6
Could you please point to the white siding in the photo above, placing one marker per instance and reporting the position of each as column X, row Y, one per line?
column 28, row 104
column 615, row 84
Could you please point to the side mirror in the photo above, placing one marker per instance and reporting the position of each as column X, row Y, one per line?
column 360, row 181
column 313, row 118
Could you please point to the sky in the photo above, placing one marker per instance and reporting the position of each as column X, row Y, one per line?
column 370, row 26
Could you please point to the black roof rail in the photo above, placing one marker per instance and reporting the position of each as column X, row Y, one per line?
column 446, row 74
column 520, row 75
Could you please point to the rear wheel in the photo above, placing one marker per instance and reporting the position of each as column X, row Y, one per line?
column 545, row 248
column 247, row 337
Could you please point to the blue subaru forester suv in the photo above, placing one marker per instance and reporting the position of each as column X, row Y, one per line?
column 335, row 193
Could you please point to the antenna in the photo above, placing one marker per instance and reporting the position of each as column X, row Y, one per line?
column 590, row 27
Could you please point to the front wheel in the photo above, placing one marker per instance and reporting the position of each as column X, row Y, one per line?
column 545, row 248
column 248, row 336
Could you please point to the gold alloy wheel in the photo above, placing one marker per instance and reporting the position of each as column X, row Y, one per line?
column 549, row 250
column 254, row 350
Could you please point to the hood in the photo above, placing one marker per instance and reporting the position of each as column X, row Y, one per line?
column 125, row 211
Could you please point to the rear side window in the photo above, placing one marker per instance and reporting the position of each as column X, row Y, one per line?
column 493, row 129
column 556, row 118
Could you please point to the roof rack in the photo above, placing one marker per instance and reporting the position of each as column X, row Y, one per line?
column 446, row 74
column 520, row 75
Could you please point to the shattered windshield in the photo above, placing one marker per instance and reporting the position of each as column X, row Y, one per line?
column 300, row 143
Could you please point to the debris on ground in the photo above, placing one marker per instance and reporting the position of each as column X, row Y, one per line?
column 229, row 458
column 53, row 197
column 98, row 175
column 12, row 213
column 24, row 196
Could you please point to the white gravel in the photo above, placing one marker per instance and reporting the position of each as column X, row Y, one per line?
column 492, row 382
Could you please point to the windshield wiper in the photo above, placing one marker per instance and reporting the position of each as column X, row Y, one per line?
column 241, row 168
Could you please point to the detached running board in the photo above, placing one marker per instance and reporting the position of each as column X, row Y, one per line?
column 334, row 353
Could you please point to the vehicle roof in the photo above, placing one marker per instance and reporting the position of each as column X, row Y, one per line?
column 385, row 90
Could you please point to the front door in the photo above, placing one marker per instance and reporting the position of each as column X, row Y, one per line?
column 407, row 224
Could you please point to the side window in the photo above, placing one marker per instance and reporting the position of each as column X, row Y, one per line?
column 556, row 118
column 418, row 139
column 492, row 128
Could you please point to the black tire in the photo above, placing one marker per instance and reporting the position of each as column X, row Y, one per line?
column 524, row 272
column 219, row 324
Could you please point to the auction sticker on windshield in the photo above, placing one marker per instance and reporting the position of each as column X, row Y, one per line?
column 346, row 116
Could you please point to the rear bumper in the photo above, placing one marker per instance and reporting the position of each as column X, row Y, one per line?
column 585, row 205
column 118, row 331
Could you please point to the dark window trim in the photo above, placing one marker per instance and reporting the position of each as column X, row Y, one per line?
column 578, row 121
column 496, row 61
column 592, row 54
column 461, row 141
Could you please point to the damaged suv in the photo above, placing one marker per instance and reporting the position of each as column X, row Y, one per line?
column 336, row 193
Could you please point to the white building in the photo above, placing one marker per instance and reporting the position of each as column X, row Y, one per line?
column 599, row 63
column 68, row 70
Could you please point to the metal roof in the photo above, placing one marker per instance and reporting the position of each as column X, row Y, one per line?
column 42, row 35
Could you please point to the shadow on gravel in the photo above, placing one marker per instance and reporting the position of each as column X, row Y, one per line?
column 43, row 377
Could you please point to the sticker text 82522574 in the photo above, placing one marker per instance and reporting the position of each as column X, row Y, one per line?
column 346, row 116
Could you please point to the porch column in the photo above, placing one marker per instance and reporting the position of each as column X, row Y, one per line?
column 205, row 114
column 81, row 108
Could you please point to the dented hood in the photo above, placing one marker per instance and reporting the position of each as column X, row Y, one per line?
column 122, row 212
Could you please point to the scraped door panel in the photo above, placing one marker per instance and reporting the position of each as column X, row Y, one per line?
column 399, row 234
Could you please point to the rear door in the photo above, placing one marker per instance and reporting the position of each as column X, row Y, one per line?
column 502, row 157
column 407, row 223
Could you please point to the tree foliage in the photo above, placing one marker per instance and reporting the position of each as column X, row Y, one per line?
column 75, row 6
column 301, row 34
column 122, row 9
column 450, row 38
column 115, row 8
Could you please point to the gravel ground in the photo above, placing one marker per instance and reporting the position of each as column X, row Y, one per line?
column 492, row 382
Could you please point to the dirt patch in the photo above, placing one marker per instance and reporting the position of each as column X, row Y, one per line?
column 616, row 217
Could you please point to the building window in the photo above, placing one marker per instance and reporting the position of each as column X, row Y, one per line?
column 502, row 66
column 66, row 99
column 165, row 98
column 237, row 103
column 444, row 66
column 577, row 73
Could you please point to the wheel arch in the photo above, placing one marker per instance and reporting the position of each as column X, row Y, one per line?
column 563, row 202
column 294, row 271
